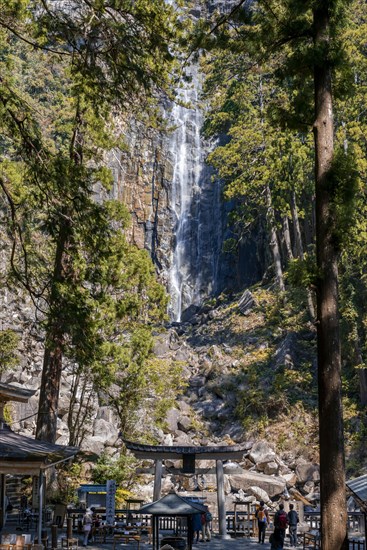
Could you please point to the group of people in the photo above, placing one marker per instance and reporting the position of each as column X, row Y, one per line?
column 201, row 523
column 282, row 520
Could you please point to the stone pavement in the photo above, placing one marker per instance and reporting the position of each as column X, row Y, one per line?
column 214, row 544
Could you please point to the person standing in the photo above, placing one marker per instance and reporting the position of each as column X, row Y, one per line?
column 207, row 525
column 196, row 526
column 293, row 519
column 275, row 543
column 87, row 525
column 262, row 516
column 280, row 524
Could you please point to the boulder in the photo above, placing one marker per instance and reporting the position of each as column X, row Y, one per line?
column 184, row 423
column 274, row 486
column 285, row 354
column 182, row 439
column 271, row 468
column 308, row 472
column 105, row 430
column 308, row 487
column 197, row 381
column 259, row 493
column 291, row 479
column 261, row 452
column 171, row 419
column 232, row 468
column 246, row 303
column 94, row 445
column 61, row 429
column 106, row 413
column 188, row 313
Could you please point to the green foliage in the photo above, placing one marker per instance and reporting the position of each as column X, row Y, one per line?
column 121, row 469
column 68, row 480
column 97, row 294
column 9, row 341
column 302, row 272
column 343, row 183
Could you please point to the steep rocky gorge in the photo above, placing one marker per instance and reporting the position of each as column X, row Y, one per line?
column 232, row 364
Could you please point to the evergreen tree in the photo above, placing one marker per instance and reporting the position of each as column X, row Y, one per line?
column 69, row 251
column 303, row 39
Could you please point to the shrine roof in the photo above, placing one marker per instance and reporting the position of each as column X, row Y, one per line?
column 20, row 454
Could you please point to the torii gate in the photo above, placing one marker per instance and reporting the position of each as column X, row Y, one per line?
column 189, row 456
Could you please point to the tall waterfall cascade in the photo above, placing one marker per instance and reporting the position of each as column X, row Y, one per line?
column 195, row 204
column 177, row 213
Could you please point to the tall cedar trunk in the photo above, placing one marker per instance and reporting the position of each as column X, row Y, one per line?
column 296, row 227
column 54, row 346
column 299, row 249
column 270, row 216
column 287, row 238
column 363, row 386
column 274, row 245
column 358, row 360
column 332, row 466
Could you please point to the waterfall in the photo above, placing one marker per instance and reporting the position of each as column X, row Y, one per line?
column 195, row 205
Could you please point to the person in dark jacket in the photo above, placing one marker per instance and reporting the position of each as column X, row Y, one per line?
column 293, row 519
column 275, row 541
column 280, row 524
column 196, row 526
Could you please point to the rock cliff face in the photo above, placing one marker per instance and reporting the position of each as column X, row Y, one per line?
column 176, row 205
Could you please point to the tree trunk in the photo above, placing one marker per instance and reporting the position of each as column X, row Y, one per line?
column 363, row 386
column 358, row 360
column 296, row 227
column 274, row 245
column 54, row 348
column 50, row 386
column 287, row 238
column 332, row 466
column 299, row 250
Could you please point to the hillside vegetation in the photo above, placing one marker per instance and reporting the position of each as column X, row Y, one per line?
column 259, row 371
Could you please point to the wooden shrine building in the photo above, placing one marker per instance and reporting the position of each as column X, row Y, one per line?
column 22, row 455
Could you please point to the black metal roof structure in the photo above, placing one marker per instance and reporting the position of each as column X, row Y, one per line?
column 172, row 505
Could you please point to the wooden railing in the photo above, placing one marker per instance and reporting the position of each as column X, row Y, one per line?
column 245, row 524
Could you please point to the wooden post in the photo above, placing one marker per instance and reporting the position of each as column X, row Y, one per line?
column 40, row 488
column 69, row 528
column 2, row 500
column 221, row 501
column 157, row 480
column 54, row 536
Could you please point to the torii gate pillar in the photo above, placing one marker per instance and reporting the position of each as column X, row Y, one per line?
column 157, row 480
column 222, row 523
